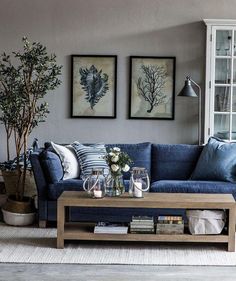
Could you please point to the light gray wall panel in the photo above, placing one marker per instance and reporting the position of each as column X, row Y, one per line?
column 122, row 27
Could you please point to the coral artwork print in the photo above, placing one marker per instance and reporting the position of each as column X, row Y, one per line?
column 94, row 83
column 93, row 91
column 152, row 88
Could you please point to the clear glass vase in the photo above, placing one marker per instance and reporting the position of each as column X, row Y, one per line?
column 115, row 185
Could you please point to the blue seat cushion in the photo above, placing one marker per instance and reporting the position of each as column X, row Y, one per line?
column 217, row 162
column 190, row 186
column 174, row 161
column 140, row 154
column 51, row 165
column 56, row 189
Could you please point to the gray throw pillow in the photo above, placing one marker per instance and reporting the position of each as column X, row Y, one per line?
column 217, row 162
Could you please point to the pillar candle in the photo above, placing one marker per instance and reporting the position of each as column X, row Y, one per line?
column 138, row 189
column 97, row 193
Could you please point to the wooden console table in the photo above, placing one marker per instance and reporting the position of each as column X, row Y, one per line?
column 73, row 231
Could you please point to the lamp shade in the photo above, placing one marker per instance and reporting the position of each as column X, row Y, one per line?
column 188, row 90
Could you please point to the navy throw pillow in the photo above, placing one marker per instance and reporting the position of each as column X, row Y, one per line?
column 51, row 165
column 216, row 162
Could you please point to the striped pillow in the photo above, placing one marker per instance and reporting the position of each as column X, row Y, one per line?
column 90, row 157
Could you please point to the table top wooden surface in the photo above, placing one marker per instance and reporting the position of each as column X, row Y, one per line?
column 150, row 200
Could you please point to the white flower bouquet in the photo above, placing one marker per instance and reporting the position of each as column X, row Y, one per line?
column 118, row 161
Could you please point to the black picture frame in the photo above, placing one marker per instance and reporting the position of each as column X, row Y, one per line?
column 93, row 86
column 147, row 73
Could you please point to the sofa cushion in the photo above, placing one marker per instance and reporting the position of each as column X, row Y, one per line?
column 190, row 186
column 217, row 162
column 69, row 160
column 139, row 153
column 51, row 164
column 55, row 190
column 174, row 161
column 90, row 157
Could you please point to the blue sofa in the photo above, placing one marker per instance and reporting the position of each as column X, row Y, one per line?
column 169, row 167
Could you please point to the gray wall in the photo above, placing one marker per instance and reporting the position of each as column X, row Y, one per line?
column 122, row 27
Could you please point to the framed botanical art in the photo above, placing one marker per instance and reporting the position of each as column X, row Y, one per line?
column 93, row 86
column 152, row 88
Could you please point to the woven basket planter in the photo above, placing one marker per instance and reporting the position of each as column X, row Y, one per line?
column 19, row 213
column 10, row 180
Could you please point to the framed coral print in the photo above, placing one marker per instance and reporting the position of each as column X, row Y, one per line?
column 93, row 86
column 152, row 88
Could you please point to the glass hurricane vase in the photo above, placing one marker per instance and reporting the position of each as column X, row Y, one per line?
column 115, row 185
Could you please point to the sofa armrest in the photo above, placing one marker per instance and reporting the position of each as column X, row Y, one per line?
column 38, row 175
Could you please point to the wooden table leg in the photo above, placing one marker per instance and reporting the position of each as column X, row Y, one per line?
column 60, row 225
column 232, row 220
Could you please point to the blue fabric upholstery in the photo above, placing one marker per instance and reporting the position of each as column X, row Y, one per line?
column 173, row 162
column 42, row 185
column 170, row 167
column 117, row 214
column 140, row 154
column 190, row 186
column 51, row 165
column 217, row 162
column 55, row 190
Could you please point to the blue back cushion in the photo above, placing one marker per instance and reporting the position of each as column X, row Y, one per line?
column 140, row 154
column 51, row 165
column 174, row 161
column 217, row 162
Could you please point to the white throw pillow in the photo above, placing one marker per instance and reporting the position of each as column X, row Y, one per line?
column 69, row 161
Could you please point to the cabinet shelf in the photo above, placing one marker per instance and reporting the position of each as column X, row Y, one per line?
column 84, row 231
column 223, row 57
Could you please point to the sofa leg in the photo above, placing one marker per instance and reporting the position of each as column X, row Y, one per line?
column 42, row 224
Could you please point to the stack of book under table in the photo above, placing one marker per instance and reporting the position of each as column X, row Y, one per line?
column 110, row 228
column 142, row 224
column 170, row 225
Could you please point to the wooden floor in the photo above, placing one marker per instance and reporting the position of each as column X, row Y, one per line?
column 36, row 272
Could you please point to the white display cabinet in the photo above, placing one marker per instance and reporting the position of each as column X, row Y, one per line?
column 220, row 89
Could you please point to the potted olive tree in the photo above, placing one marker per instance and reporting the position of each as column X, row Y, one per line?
column 25, row 78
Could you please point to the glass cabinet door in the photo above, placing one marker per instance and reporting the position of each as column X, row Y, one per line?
column 223, row 44
column 224, row 83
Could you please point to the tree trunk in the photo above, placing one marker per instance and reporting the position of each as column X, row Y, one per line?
column 8, row 134
column 150, row 110
column 25, row 166
column 8, row 146
column 18, row 177
column 19, row 172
